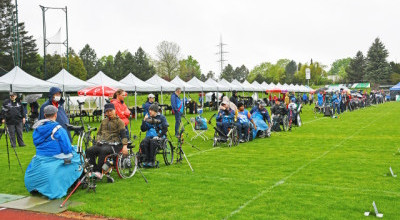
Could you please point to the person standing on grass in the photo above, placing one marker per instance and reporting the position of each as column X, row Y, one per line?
column 320, row 99
column 150, row 101
column 177, row 109
column 121, row 109
column 57, row 101
column 234, row 98
column 13, row 115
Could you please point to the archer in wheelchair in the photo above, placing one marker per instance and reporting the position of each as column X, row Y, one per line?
column 245, row 128
column 55, row 167
column 262, row 119
column 111, row 139
column 156, row 142
column 279, row 116
column 226, row 130
column 294, row 110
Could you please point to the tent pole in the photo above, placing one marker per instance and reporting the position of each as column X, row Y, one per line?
column 202, row 99
column 184, row 98
column 135, row 105
column 162, row 101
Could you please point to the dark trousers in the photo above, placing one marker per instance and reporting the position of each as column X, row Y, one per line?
column 149, row 147
column 16, row 129
column 243, row 130
column 100, row 151
column 177, row 122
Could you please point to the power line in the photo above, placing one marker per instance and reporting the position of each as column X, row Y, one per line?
column 221, row 54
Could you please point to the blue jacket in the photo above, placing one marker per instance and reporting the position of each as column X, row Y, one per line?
column 335, row 99
column 223, row 113
column 176, row 104
column 146, row 107
column 151, row 130
column 320, row 99
column 45, row 144
column 305, row 97
column 62, row 117
column 263, row 112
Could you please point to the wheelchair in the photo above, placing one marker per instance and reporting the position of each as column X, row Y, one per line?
column 278, row 120
column 231, row 138
column 163, row 146
column 294, row 115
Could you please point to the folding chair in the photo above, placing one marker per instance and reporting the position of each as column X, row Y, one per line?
column 196, row 129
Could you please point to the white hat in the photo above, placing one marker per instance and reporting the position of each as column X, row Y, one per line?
column 150, row 96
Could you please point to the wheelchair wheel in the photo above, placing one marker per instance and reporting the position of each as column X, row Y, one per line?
column 126, row 165
column 235, row 137
column 298, row 120
column 285, row 123
column 215, row 141
column 168, row 152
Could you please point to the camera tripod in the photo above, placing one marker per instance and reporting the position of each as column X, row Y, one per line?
column 7, row 136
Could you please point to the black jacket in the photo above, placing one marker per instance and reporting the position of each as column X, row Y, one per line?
column 234, row 100
column 12, row 112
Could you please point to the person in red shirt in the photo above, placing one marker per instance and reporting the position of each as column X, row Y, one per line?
column 121, row 109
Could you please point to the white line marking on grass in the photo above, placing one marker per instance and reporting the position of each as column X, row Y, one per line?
column 296, row 171
column 203, row 151
column 307, row 122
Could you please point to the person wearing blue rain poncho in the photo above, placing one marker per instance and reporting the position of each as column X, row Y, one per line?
column 56, row 165
column 243, row 123
column 261, row 117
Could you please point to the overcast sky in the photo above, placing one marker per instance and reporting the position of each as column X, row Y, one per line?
column 254, row 31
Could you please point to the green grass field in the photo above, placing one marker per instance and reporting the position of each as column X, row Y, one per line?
column 327, row 169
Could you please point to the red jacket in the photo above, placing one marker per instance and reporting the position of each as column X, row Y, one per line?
column 121, row 108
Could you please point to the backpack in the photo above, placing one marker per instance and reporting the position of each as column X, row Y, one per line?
column 200, row 123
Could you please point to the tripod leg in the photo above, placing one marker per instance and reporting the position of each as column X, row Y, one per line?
column 16, row 155
column 140, row 171
column 8, row 153
column 18, row 160
column 70, row 194
column 187, row 160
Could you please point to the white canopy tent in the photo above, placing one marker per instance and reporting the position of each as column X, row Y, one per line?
column 101, row 79
column 18, row 80
column 257, row 86
column 162, row 85
column 184, row 85
column 68, row 82
column 204, row 87
column 237, row 83
column 138, row 86
column 231, row 86
column 220, row 88
column 248, row 86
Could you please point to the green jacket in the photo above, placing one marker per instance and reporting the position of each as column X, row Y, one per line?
column 112, row 130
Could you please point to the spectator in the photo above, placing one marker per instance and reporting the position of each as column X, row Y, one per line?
column 57, row 101
column 305, row 99
column 121, row 109
column 14, row 117
column 234, row 98
column 177, row 109
column 150, row 101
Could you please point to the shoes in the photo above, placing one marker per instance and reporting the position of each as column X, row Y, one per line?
column 151, row 164
column 22, row 145
column 241, row 141
column 98, row 175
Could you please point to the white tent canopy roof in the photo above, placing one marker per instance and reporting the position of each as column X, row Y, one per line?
column 20, row 81
column 257, row 86
column 184, row 85
column 68, row 82
column 205, row 87
column 161, row 84
column 101, row 79
column 218, row 86
column 137, row 84
column 248, row 86
column 231, row 86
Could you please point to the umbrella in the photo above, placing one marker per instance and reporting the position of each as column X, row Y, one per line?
column 98, row 91
column 276, row 90
column 32, row 98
